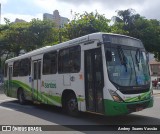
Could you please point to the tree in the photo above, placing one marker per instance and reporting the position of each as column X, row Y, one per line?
column 15, row 37
column 127, row 17
column 132, row 24
column 117, row 28
column 42, row 33
column 85, row 24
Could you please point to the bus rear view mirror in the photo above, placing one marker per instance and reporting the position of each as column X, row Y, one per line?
column 108, row 56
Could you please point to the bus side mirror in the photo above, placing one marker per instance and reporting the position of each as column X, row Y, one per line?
column 108, row 56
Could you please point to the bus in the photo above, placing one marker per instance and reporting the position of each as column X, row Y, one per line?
column 100, row 73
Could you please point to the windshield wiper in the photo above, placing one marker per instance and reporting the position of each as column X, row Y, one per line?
column 122, row 57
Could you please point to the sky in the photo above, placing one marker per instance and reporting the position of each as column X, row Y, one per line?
column 29, row 9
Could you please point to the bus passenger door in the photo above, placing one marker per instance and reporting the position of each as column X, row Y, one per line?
column 36, row 79
column 94, row 82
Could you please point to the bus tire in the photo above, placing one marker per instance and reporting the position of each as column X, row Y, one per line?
column 72, row 105
column 21, row 97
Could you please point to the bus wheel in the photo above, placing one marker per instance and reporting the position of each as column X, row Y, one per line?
column 72, row 105
column 21, row 97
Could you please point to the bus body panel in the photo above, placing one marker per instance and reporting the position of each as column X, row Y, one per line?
column 48, row 88
column 113, row 108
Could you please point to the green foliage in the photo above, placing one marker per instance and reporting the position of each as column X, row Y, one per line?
column 149, row 32
column 15, row 37
column 42, row 33
column 127, row 17
column 23, row 36
column 132, row 24
column 7, row 21
column 86, row 23
column 117, row 28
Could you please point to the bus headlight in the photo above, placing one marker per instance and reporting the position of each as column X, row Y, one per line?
column 115, row 96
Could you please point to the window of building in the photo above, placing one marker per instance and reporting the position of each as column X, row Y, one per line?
column 69, row 60
column 50, row 63
column 155, row 69
column 16, row 68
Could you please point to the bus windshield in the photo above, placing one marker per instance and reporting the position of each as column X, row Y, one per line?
column 127, row 66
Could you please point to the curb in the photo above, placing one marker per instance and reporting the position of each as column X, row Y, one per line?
column 156, row 92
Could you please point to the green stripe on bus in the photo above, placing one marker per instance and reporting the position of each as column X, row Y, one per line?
column 45, row 98
column 138, row 98
column 42, row 97
column 120, row 108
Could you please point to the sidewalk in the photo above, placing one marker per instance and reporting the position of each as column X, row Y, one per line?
column 156, row 91
column 1, row 91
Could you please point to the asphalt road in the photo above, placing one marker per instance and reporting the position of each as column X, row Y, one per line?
column 12, row 113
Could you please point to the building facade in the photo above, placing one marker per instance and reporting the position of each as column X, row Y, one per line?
column 59, row 20
column 155, row 70
column 19, row 20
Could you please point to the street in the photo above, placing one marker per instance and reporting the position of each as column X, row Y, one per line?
column 12, row 113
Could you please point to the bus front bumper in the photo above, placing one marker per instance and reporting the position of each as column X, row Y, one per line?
column 113, row 108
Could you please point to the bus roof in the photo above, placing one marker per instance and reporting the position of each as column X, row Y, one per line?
column 79, row 40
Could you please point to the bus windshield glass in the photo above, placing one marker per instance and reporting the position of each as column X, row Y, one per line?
column 127, row 66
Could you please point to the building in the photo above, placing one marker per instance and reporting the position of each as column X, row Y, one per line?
column 19, row 20
column 151, row 57
column 59, row 20
column 155, row 70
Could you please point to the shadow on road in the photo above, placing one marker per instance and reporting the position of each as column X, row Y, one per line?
column 55, row 115
column 1, row 91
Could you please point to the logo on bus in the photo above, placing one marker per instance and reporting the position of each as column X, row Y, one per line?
column 48, row 84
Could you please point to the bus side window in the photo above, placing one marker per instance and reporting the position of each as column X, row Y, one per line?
column 24, row 67
column 16, row 68
column 50, row 63
column 69, row 60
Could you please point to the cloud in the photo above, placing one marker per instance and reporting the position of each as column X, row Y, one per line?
column 65, row 8
column 147, row 8
column 109, row 4
column 12, row 17
column 151, row 9
column 28, row 9
column 20, row 7
column 3, row 1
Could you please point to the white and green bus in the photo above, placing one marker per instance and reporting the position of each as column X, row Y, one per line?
column 99, row 73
